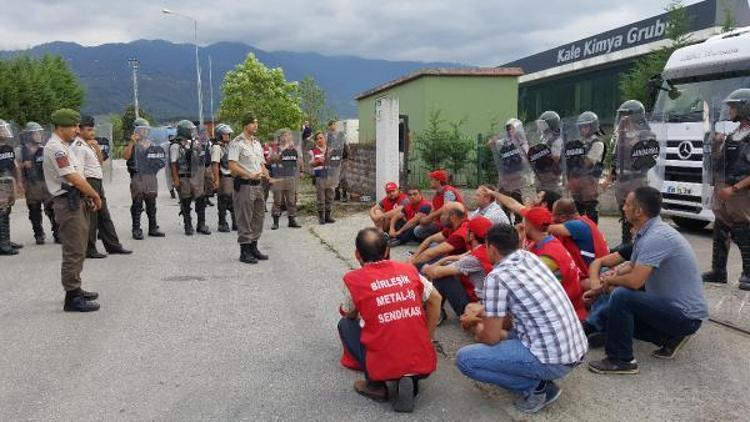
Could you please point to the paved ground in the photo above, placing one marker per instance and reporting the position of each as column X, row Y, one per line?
column 186, row 332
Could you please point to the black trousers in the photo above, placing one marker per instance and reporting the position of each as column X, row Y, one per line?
column 100, row 222
column 452, row 290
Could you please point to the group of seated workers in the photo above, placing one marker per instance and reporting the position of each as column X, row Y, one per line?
column 534, row 297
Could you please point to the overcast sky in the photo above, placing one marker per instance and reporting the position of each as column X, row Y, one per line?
column 476, row 32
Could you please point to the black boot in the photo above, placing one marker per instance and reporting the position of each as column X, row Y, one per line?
column 255, row 252
column 337, row 194
column 293, row 223
column 153, row 226
column 75, row 301
column 344, row 196
column 321, row 218
column 275, row 225
column 742, row 239
column 135, row 213
column 329, row 219
column 186, row 217
column 171, row 193
column 5, row 245
column 50, row 213
column 222, row 207
column 200, row 210
column 718, row 273
column 245, row 255
column 35, row 216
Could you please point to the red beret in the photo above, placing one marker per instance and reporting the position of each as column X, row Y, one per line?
column 538, row 216
column 390, row 187
column 480, row 226
column 439, row 175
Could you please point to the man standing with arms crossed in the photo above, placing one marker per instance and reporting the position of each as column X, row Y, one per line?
column 247, row 165
column 72, row 194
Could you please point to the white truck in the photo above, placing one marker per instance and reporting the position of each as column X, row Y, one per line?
column 695, row 81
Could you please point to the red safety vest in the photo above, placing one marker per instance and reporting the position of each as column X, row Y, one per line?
column 411, row 210
column 480, row 253
column 387, row 204
column 571, row 275
column 439, row 199
column 388, row 296
column 600, row 246
column 318, row 154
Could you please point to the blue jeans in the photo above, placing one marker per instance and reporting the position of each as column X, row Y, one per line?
column 508, row 364
column 645, row 316
column 598, row 314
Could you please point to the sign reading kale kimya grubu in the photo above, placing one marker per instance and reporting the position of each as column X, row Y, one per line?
column 701, row 16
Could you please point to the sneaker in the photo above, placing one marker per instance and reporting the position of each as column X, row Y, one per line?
column 442, row 318
column 714, row 277
column 377, row 393
column 405, row 395
column 670, row 348
column 538, row 400
column 613, row 366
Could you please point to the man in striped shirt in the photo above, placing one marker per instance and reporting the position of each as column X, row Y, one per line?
column 528, row 334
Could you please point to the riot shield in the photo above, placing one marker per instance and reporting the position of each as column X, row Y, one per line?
column 636, row 153
column 163, row 136
column 197, row 163
column 729, row 144
column 545, row 156
column 7, row 165
column 334, row 158
column 509, row 155
column 30, row 156
column 103, row 134
column 285, row 160
column 145, row 174
column 584, row 154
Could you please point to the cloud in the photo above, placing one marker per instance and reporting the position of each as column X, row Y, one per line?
column 489, row 32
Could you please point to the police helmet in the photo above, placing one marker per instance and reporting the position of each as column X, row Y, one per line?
column 141, row 122
column 185, row 129
column 740, row 99
column 223, row 129
column 513, row 124
column 552, row 120
column 33, row 127
column 588, row 119
column 632, row 108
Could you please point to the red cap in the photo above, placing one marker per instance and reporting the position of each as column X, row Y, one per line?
column 538, row 216
column 439, row 175
column 480, row 226
column 390, row 187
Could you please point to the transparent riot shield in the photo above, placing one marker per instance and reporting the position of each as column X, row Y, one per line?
column 144, row 177
column 509, row 154
column 30, row 156
column 285, row 159
column 545, row 156
column 103, row 134
column 729, row 144
column 196, row 152
column 334, row 158
column 163, row 136
column 636, row 153
column 8, row 165
column 584, row 154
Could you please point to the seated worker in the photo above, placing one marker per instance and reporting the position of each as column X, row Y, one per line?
column 460, row 278
column 579, row 234
column 404, row 222
column 488, row 207
column 550, row 250
column 672, row 305
column 390, row 316
column 382, row 212
column 450, row 241
column 523, row 343
column 616, row 263
column 444, row 193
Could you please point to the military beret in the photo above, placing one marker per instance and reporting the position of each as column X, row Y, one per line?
column 248, row 118
column 66, row 117
column 87, row 120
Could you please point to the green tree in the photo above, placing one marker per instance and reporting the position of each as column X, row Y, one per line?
column 730, row 23
column 253, row 87
column 314, row 104
column 442, row 144
column 126, row 122
column 635, row 83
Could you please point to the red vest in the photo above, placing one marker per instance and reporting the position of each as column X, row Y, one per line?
column 571, row 280
column 389, row 203
column 388, row 296
column 480, row 253
column 411, row 210
column 600, row 246
column 318, row 154
column 439, row 199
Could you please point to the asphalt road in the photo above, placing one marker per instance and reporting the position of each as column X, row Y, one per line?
column 187, row 332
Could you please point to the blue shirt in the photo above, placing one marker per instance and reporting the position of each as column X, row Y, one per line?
column 675, row 274
column 580, row 232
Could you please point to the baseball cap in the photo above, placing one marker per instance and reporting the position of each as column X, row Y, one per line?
column 538, row 216
column 480, row 226
column 390, row 187
column 439, row 175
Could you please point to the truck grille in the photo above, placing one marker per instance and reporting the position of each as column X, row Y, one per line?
column 684, row 174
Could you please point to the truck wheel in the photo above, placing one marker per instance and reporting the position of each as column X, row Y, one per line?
column 690, row 223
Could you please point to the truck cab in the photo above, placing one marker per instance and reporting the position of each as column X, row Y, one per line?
column 687, row 113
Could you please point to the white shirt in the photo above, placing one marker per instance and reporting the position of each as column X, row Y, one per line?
column 216, row 152
column 494, row 212
column 86, row 154
column 59, row 161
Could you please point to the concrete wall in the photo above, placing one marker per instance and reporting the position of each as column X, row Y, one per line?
column 360, row 172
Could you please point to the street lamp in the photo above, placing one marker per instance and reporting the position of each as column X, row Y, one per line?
column 197, row 61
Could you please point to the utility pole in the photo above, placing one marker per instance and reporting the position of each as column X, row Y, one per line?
column 211, row 93
column 134, row 65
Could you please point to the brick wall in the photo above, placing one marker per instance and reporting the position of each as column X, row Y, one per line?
column 361, row 171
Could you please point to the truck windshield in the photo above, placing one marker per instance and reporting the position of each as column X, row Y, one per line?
column 688, row 105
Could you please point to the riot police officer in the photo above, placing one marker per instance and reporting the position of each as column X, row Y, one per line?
column 285, row 164
column 731, row 158
column 222, row 177
column 546, row 153
column 509, row 154
column 584, row 163
column 144, row 160
column 188, row 176
column 10, row 176
column 636, row 150
column 31, row 155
